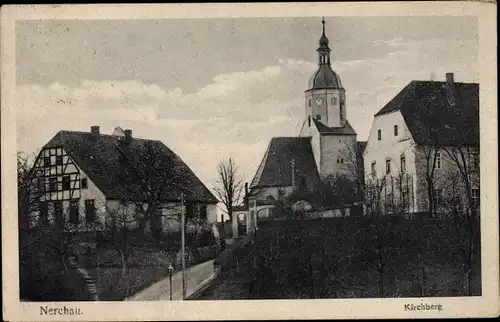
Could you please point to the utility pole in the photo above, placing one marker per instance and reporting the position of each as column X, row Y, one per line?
column 183, row 247
column 293, row 172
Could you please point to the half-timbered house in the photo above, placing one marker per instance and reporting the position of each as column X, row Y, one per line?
column 88, row 179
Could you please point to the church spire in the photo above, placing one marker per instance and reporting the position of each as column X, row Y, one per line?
column 323, row 50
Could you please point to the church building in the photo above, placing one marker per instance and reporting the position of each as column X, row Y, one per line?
column 319, row 150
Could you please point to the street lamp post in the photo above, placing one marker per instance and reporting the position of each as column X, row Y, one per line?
column 183, row 247
column 170, row 271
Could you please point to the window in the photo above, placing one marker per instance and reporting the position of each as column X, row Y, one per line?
column 189, row 209
column 89, row 210
column 476, row 197
column 403, row 164
column 474, row 161
column 59, row 160
column 203, row 211
column 334, row 100
column 44, row 213
column 395, row 130
column 318, row 117
column 379, row 135
column 58, row 213
column 388, row 166
column 74, row 214
column 46, row 161
column 309, row 102
column 84, row 184
column 437, row 196
column 309, row 120
column 41, row 184
column 53, row 183
column 374, row 171
column 438, row 160
column 65, row 183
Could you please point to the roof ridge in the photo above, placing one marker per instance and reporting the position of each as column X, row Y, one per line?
column 442, row 82
column 104, row 134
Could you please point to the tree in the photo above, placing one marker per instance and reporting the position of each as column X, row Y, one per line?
column 229, row 188
column 28, row 192
column 427, row 158
column 151, row 177
column 353, row 166
column 462, row 209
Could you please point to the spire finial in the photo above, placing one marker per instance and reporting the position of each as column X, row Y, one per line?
column 323, row 22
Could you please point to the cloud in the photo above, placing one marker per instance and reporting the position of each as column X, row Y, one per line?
column 235, row 113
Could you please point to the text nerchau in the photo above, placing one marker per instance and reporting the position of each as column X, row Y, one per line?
column 423, row 307
column 46, row 310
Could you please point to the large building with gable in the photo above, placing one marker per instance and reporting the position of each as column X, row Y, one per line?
column 423, row 141
column 87, row 178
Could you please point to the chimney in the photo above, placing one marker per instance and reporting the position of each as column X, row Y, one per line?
column 94, row 129
column 450, row 88
column 128, row 134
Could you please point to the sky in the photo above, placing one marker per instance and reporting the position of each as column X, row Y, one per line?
column 214, row 88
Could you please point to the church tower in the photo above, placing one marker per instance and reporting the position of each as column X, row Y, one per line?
column 325, row 116
column 325, row 96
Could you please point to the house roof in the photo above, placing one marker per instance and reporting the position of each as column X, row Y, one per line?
column 110, row 161
column 431, row 119
column 276, row 166
column 347, row 129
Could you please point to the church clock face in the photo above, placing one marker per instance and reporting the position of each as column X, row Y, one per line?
column 319, row 101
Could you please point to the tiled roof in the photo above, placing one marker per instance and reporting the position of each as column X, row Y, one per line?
column 276, row 166
column 432, row 120
column 109, row 162
column 325, row 130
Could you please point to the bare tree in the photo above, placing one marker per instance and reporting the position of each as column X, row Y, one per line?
column 462, row 207
column 229, row 188
column 28, row 192
column 427, row 162
column 148, row 180
column 352, row 163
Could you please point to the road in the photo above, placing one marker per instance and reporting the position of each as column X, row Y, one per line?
column 196, row 276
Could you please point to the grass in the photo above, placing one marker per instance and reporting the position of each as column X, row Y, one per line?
column 144, row 268
column 112, row 286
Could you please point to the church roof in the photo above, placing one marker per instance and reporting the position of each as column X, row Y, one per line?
column 347, row 129
column 276, row 166
column 431, row 119
column 325, row 77
column 107, row 159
